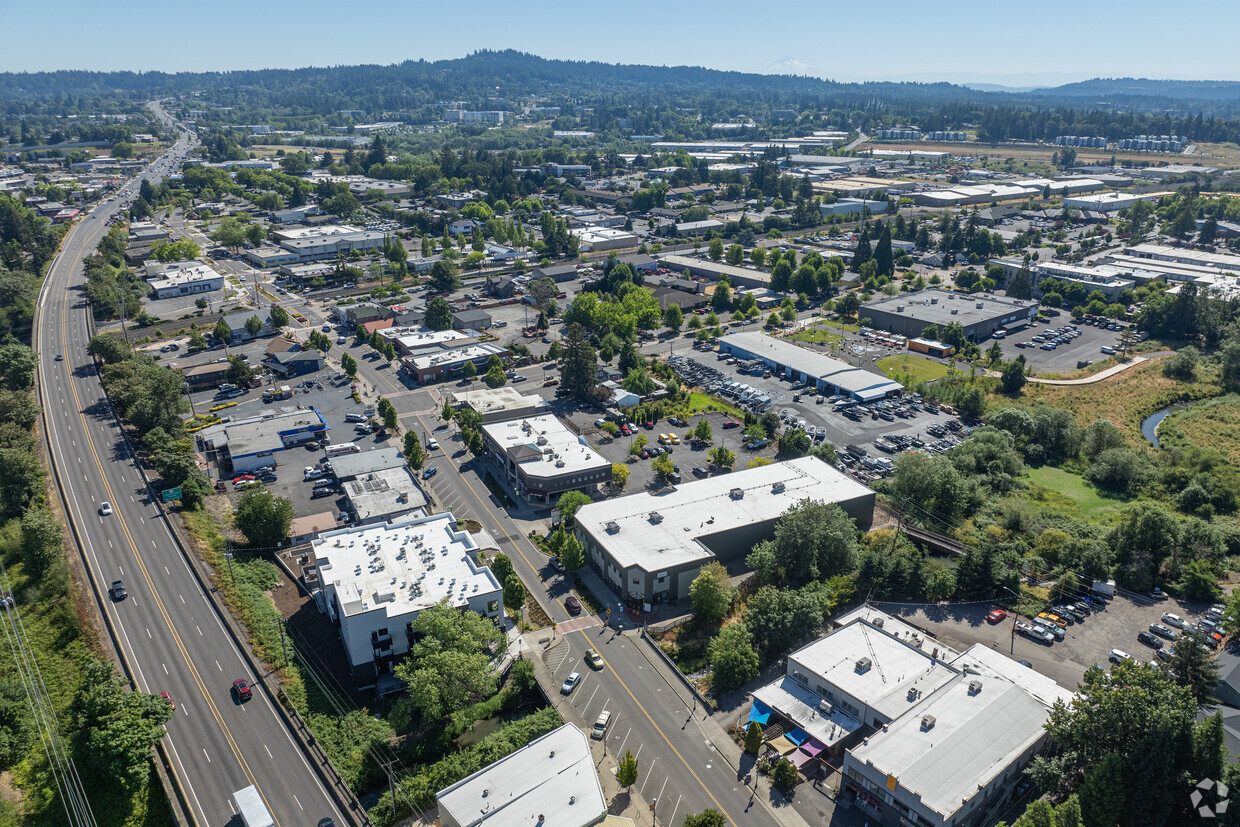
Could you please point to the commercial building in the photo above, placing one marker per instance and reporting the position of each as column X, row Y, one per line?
column 979, row 314
column 376, row 579
column 541, row 458
column 824, row 372
column 1105, row 201
column 852, row 206
column 1181, row 255
column 141, row 231
column 974, row 194
column 436, row 367
column 550, row 781
column 257, row 441
column 650, row 547
column 928, row 735
column 499, row 404
column 1109, row 279
column 471, row 319
column 599, row 239
column 190, row 280
column 351, row 466
column 376, row 496
column 419, row 341
column 324, row 242
column 712, row 270
column 270, row 256
column 238, row 332
column 562, row 170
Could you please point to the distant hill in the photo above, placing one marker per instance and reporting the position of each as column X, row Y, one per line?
column 1183, row 90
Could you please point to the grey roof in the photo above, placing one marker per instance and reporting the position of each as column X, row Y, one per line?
column 937, row 306
column 236, row 321
column 347, row 466
column 841, row 374
column 473, row 315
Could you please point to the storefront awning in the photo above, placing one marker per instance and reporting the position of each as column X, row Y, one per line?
column 760, row 712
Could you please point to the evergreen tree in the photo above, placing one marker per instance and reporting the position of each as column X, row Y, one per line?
column 863, row 253
column 882, row 253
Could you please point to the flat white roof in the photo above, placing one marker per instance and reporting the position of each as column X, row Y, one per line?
column 897, row 667
column 896, row 627
column 1159, row 251
column 802, row 706
column 293, row 233
column 555, row 450
column 704, row 507
column 187, row 275
column 838, row 373
column 380, row 493
column 450, row 357
column 981, row 658
column 549, row 781
column 972, row 738
column 487, row 401
column 402, row 566
column 420, row 338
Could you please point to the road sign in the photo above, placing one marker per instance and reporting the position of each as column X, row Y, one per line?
column 170, row 494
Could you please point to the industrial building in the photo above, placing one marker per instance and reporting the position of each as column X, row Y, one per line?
column 540, row 458
column 599, row 239
column 550, row 781
column 324, row 242
column 974, row 194
column 1182, row 255
column 1105, row 201
column 823, row 372
column 928, row 735
column 1110, row 280
column 712, row 270
column 853, row 206
column 376, row 579
column 979, row 314
column 649, row 551
column 257, row 441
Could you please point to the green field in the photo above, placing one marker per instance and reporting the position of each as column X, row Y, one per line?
column 906, row 365
column 1068, row 492
column 816, row 335
column 1213, row 424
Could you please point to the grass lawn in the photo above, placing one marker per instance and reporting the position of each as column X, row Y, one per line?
column 816, row 335
column 922, row 370
column 851, row 328
column 1213, row 424
column 1124, row 399
column 1066, row 491
column 700, row 402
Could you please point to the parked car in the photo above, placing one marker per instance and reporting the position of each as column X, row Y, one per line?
column 429, row 472
column 1174, row 621
column 1164, row 631
column 1119, row 655
column 1057, row 632
column 1149, row 640
column 556, row 564
column 570, row 683
column 996, row 616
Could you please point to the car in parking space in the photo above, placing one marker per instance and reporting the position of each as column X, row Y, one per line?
column 1119, row 655
column 1056, row 619
column 241, row 689
column 1163, row 630
column 1056, row 631
column 1034, row 632
column 1064, row 610
column 593, row 658
column 1149, row 639
column 325, row 491
column 996, row 616
column 118, row 590
column 311, row 473
column 570, row 683
column 730, row 423
column 429, row 472
column 555, row 563
column 1108, row 350
column 1174, row 620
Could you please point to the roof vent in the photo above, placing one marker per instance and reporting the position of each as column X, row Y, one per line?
column 975, row 687
column 899, row 308
column 878, row 622
column 656, row 517
column 864, row 664
column 552, row 755
column 778, row 487
column 927, row 722
column 737, row 493
column 485, row 793
column 980, row 305
column 612, row 526
column 824, row 707
column 913, row 693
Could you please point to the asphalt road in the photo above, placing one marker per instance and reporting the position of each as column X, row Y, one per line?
column 168, row 629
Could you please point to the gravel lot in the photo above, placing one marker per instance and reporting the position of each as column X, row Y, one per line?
column 1086, row 643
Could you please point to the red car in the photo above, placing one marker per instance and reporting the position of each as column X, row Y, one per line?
column 996, row 616
column 648, row 425
column 243, row 477
column 168, row 698
column 573, row 605
column 626, row 430
column 241, row 688
column 731, row 423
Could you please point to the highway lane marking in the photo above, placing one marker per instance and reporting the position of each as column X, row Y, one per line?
column 208, row 757
column 166, row 672
column 179, row 595
column 148, row 633
column 217, row 666
column 269, row 755
column 295, row 798
column 199, row 630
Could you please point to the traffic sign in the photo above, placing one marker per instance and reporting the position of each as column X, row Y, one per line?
column 170, row 494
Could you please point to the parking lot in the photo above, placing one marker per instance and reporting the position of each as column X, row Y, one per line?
column 1085, row 643
column 1063, row 359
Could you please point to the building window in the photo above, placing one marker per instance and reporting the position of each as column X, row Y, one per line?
column 493, row 606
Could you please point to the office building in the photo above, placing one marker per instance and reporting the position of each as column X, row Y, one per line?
column 540, row 458
column 979, row 314
column 499, row 404
column 258, row 441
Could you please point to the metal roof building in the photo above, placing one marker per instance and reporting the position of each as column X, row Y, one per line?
column 824, row 372
column 980, row 314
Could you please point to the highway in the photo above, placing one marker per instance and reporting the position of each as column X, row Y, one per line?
column 168, row 629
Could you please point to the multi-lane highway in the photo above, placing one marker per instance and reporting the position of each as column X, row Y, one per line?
column 168, row 629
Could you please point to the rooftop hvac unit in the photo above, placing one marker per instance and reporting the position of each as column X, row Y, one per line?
column 824, row 707
column 980, row 305
column 927, row 722
column 778, row 488
column 913, row 693
column 899, row 308
column 559, row 463
column 737, row 493
column 878, row 622
column 656, row 517
column 975, row 687
column 955, row 310
column 612, row 526
column 934, row 300
column 864, row 664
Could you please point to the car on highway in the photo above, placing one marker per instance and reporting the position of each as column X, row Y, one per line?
column 168, row 698
column 105, row 508
column 241, row 689
column 60, row 357
column 996, row 616
column 593, row 659
column 572, row 604
column 570, row 683
column 118, row 590
column 429, row 472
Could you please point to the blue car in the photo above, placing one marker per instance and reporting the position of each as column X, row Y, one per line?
column 429, row 472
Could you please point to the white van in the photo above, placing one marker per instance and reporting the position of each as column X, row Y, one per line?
column 600, row 725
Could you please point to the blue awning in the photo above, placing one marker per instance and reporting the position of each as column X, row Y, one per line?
column 797, row 736
column 759, row 712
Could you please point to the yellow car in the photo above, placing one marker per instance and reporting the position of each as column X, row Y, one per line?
column 675, row 440
column 1053, row 618
column 664, row 439
column 593, row 659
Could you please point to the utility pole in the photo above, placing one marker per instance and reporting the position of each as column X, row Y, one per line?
column 283, row 639
column 228, row 555
column 120, row 305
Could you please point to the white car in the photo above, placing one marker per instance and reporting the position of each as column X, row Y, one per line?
column 1175, row 621
column 311, row 473
column 105, row 508
column 432, row 444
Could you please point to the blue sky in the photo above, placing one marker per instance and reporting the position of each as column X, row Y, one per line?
column 1017, row 43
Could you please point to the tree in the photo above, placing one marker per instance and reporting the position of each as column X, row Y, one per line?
column 673, row 317
column 413, row 450
column 702, row 431
column 469, row 370
column 495, row 378
column 847, row 305
column 222, row 332
column 638, row 381
column 442, row 277
column 42, row 540
column 279, row 316
column 449, row 668
column 579, row 365
column 569, row 502
column 1020, row 285
column 1013, row 376
column 733, row 660
column 785, row 776
column 626, row 773
column 391, row 420
column 263, row 518
column 722, row 457
column 735, row 255
column 572, row 555
column 239, row 372
column 619, row 475
column 348, row 364
column 712, row 593
column 17, row 367
column 753, row 737
column 706, row 818
column 1102, row 793
column 514, row 593
column 882, row 253
column 1193, row 666
column 794, row 443
column 501, row 567
column 663, row 466
column 229, row 233
column 814, row 541
column 715, row 249
column 1185, row 222
column 438, row 314
column 1182, row 365
column 1209, row 229
column 112, row 349
column 721, row 299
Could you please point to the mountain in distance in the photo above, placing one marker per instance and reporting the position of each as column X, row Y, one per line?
column 790, row 66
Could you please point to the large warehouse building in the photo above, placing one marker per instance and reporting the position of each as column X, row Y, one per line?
column 823, row 372
column 979, row 314
column 648, row 549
